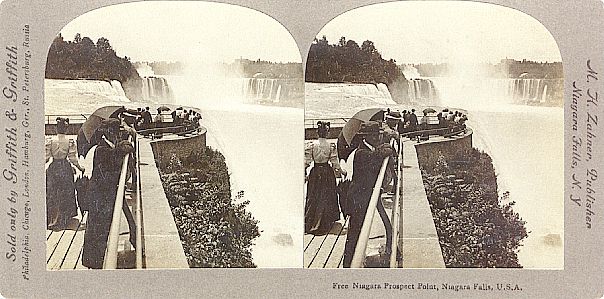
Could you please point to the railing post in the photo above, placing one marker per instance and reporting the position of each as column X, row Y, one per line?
column 396, row 211
column 138, row 211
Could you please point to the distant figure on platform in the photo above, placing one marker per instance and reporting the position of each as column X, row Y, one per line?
column 159, row 118
column 367, row 163
column 108, row 158
column 412, row 123
column 321, row 209
column 185, row 116
column 60, row 189
column 146, row 115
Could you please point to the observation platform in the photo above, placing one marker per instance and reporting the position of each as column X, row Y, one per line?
column 160, row 242
column 417, row 237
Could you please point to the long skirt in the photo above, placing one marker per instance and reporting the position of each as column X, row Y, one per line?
column 60, row 194
column 100, row 215
column 321, row 209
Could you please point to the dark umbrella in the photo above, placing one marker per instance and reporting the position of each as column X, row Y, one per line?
column 352, row 127
column 95, row 119
column 84, row 139
column 163, row 108
column 429, row 110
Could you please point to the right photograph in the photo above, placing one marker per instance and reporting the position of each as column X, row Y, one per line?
column 434, row 139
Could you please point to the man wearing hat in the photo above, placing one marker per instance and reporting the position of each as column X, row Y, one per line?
column 367, row 163
column 103, row 185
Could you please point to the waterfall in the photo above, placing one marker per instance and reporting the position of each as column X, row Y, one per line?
column 422, row 91
column 476, row 91
column 111, row 89
column 156, row 89
column 257, row 90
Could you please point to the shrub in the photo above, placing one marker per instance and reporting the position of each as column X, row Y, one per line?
column 474, row 228
column 215, row 230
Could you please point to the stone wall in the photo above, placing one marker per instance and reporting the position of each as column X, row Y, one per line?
column 181, row 146
column 428, row 152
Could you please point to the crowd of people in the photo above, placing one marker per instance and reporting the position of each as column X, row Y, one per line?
column 377, row 138
column 143, row 119
column 444, row 123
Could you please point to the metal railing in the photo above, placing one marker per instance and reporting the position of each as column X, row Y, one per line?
column 170, row 130
column 312, row 122
column 360, row 250
column 114, row 232
column 448, row 131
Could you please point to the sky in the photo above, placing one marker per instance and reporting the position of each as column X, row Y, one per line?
column 187, row 31
column 437, row 31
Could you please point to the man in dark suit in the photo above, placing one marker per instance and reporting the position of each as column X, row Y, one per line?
column 146, row 115
column 412, row 123
column 366, row 166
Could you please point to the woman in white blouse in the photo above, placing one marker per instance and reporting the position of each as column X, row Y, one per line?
column 321, row 209
column 60, row 190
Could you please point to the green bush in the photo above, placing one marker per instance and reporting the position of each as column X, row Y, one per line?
column 215, row 230
column 474, row 228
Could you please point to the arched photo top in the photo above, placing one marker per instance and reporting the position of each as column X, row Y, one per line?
column 445, row 31
column 187, row 30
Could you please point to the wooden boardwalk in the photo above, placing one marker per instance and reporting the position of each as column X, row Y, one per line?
column 327, row 251
column 64, row 247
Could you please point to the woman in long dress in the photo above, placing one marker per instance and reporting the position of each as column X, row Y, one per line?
column 60, row 189
column 321, row 209
column 108, row 157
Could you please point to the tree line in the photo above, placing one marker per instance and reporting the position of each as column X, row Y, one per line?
column 346, row 61
column 84, row 59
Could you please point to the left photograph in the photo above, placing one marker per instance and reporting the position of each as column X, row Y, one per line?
column 173, row 138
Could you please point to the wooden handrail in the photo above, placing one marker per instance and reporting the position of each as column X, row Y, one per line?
column 114, row 232
column 359, row 251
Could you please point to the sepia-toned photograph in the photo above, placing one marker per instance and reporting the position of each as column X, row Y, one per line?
column 434, row 139
column 172, row 136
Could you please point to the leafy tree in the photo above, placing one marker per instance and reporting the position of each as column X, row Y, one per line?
column 83, row 59
column 346, row 61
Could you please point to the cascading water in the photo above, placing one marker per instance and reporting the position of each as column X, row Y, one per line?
column 344, row 99
column 481, row 92
column 421, row 91
column 156, row 89
column 270, row 90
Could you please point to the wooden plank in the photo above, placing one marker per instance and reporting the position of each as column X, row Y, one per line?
column 72, row 256
column 307, row 239
column 78, row 265
column 312, row 250
column 52, row 243
column 334, row 260
column 324, row 252
column 56, row 259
